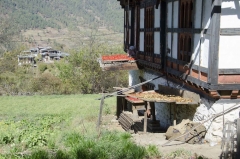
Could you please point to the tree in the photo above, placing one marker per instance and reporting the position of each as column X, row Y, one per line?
column 6, row 35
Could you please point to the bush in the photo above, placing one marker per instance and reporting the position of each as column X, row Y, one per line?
column 152, row 151
column 79, row 73
column 46, row 83
column 42, row 67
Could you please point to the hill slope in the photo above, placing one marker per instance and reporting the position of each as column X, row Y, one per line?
column 59, row 23
column 40, row 14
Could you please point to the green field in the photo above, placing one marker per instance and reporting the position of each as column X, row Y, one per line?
column 61, row 126
column 64, row 127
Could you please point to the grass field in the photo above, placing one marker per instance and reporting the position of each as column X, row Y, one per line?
column 64, row 127
column 61, row 127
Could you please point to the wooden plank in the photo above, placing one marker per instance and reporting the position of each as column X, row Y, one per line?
column 238, row 137
column 224, row 86
column 230, row 31
column 185, row 30
column 145, row 122
column 119, row 60
column 100, row 114
column 119, row 106
column 234, row 93
column 214, row 94
column 214, row 42
column 188, row 78
column 122, row 66
column 229, row 71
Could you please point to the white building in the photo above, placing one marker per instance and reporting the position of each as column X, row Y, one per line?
column 194, row 43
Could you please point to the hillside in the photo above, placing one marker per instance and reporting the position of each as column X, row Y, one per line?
column 40, row 14
column 48, row 22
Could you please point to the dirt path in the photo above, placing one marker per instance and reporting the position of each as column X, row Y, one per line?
column 158, row 139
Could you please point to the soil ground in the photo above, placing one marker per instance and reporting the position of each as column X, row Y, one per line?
column 158, row 139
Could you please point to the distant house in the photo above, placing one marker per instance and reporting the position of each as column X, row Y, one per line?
column 26, row 60
column 48, row 55
column 195, row 45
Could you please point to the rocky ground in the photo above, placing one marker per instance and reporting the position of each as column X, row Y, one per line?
column 158, row 139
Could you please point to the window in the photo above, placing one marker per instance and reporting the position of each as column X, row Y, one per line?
column 185, row 47
column 149, row 26
column 185, row 39
column 186, row 13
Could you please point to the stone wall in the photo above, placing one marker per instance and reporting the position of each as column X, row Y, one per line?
column 215, row 127
column 197, row 113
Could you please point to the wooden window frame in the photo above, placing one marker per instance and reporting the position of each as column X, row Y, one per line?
column 149, row 27
column 185, row 39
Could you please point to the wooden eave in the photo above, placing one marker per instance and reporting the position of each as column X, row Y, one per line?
column 213, row 91
column 117, row 65
column 124, row 3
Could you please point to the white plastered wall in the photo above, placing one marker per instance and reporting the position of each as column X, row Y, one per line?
column 129, row 13
column 172, row 38
column 141, row 41
column 129, row 36
column 169, row 25
column 169, row 15
column 175, row 45
column 129, row 26
column 157, row 17
column 197, row 37
column 230, row 15
column 197, row 22
column 229, row 48
column 206, row 19
column 207, row 9
column 175, row 14
column 196, row 49
column 142, row 18
column 175, row 25
column 229, row 52
column 169, row 42
column 157, row 33
column 156, row 42
column 205, row 52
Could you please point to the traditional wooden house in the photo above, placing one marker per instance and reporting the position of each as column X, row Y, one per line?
column 194, row 43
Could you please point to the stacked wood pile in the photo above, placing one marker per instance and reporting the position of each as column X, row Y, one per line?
column 126, row 121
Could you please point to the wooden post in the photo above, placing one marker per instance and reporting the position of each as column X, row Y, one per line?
column 119, row 106
column 174, row 115
column 100, row 113
column 238, row 137
column 145, row 118
column 145, row 122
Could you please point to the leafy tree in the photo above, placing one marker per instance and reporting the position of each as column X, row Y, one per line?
column 6, row 34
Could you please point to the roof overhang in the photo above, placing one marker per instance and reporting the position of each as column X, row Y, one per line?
column 117, row 62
